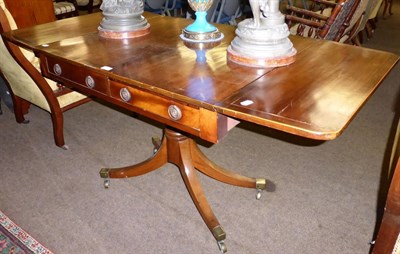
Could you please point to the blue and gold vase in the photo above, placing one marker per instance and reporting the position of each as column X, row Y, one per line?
column 200, row 30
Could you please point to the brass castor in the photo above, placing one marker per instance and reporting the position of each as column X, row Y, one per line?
column 222, row 246
column 261, row 184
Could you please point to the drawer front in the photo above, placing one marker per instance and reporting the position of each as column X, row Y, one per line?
column 198, row 121
column 170, row 111
column 68, row 72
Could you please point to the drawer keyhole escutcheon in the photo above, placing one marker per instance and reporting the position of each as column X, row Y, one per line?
column 57, row 69
column 174, row 112
column 125, row 94
column 90, row 82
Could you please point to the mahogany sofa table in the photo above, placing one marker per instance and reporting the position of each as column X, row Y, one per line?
column 158, row 76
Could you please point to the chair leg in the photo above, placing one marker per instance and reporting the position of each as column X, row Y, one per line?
column 385, row 7
column 390, row 7
column 369, row 29
column 58, row 129
column 89, row 6
column 356, row 41
column 21, row 107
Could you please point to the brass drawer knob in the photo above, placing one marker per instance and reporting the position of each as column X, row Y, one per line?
column 174, row 112
column 125, row 94
column 90, row 82
column 57, row 69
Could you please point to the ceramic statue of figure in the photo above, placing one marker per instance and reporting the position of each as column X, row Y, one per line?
column 258, row 7
column 266, row 12
column 262, row 41
column 123, row 19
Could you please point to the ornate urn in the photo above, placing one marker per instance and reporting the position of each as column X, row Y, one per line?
column 200, row 30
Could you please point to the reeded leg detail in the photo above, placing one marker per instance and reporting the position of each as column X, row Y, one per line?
column 206, row 166
column 153, row 163
column 183, row 152
column 182, row 157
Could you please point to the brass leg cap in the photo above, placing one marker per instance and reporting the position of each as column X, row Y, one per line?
column 218, row 233
column 261, row 184
column 104, row 173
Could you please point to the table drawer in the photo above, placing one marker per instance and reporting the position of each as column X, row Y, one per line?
column 71, row 73
column 204, row 123
column 166, row 108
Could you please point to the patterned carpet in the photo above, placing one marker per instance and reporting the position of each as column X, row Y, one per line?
column 15, row 240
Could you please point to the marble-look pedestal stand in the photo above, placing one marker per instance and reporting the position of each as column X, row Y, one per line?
column 262, row 41
column 123, row 19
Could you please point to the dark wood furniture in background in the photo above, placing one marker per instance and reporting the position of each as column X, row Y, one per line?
column 158, row 76
column 89, row 6
column 65, row 8
column 389, row 232
column 327, row 20
column 387, row 6
column 31, row 12
column 30, row 87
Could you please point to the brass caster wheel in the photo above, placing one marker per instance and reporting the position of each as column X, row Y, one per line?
column 261, row 184
column 104, row 174
column 258, row 194
column 157, row 143
column 106, row 183
column 222, row 246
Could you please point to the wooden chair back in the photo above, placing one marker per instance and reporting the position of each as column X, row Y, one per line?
column 356, row 20
column 21, row 72
column 31, row 12
column 324, row 20
column 89, row 5
column 65, row 8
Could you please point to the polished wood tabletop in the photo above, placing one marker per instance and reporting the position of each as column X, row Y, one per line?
column 162, row 77
column 315, row 97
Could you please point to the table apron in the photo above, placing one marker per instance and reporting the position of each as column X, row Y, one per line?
column 204, row 123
